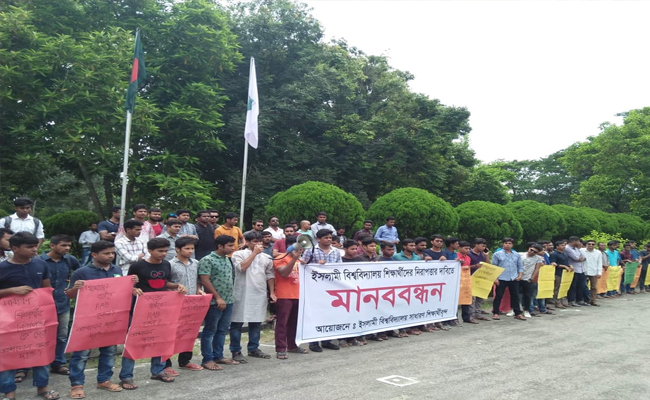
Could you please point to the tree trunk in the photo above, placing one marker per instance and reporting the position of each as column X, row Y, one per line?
column 91, row 190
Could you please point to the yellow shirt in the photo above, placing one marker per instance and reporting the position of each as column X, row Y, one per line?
column 234, row 232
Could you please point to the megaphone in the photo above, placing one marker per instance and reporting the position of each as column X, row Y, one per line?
column 303, row 242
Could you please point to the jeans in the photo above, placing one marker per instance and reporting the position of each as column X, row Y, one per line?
column 254, row 334
column 85, row 256
column 286, row 324
column 8, row 384
column 61, row 340
column 514, row 296
column 539, row 303
column 577, row 291
column 104, row 367
column 528, row 294
column 213, row 337
column 157, row 367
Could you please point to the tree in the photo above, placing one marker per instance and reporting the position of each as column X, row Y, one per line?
column 489, row 221
column 484, row 183
column 578, row 221
column 304, row 201
column 608, row 222
column 538, row 220
column 632, row 227
column 416, row 211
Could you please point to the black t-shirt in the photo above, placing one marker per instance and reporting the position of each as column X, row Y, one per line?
column 343, row 259
column 151, row 277
column 435, row 255
column 559, row 259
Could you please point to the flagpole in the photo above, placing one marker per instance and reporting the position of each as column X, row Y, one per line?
column 243, row 187
column 125, row 166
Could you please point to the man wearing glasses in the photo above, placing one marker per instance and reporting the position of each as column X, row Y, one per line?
column 592, row 267
column 258, row 226
column 274, row 228
column 532, row 263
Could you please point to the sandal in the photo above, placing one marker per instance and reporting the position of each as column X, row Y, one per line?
column 259, row 354
column 362, row 342
column 192, row 367
column 482, row 318
column 61, row 370
column 496, row 316
column 393, row 334
column 211, row 366
column 472, row 321
column 343, row 343
column 108, row 385
column 520, row 317
column 298, row 350
column 227, row 361
column 402, row 334
column 20, row 376
column 77, row 392
column 413, row 331
column 282, row 355
column 128, row 384
column 49, row 395
column 163, row 378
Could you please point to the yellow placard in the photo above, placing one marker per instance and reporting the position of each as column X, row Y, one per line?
column 637, row 275
column 647, row 279
column 602, row 281
column 483, row 279
column 565, row 283
column 614, row 278
column 546, row 282
column 465, row 295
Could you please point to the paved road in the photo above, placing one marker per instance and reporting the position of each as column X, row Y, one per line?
column 580, row 353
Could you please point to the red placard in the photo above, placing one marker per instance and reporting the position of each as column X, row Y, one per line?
column 28, row 326
column 155, row 315
column 189, row 322
column 101, row 315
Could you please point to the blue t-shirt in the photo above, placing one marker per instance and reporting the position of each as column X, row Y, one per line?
column 31, row 274
column 91, row 272
column 59, row 274
column 449, row 255
column 108, row 226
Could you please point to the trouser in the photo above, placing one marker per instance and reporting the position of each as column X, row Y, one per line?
column 641, row 284
column 556, row 289
column 61, row 340
column 514, row 296
column 577, row 292
column 286, row 324
column 254, row 335
column 157, row 367
column 85, row 256
column 527, row 295
column 40, row 378
column 184, row 358
column 539, row 303
column 476, row 306
column 593, row 293
column 466, row 312
column 213, row 336
column 104, row 367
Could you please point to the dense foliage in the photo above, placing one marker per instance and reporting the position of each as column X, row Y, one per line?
column 489, row 221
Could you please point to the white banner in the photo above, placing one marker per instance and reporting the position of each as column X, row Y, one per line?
column 353, row 299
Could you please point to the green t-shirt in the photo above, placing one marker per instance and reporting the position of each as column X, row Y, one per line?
column 221, row 275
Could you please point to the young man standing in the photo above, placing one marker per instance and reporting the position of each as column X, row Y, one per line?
column 509, row 278
column 388, row 233
column 5, row 249
column 387, row 251
column 101, row 267
column 20, row 276
column 22, row 221
column 369, row 248
column 477, row 256
column 108, row 229
column 305, row 229
column 340, row 234
column 253, row 272
column 61, row 265
column 321, row 223
column 614, row 260
column 323, row 254
column 274, row 228
column 140, row 212
column 86, row 240
column 408, row 252
column 465, row 262
column 155, row 216
column 436, row 252
column 367, row 229
column 128, row 248
column 185, row 271
column 593, row 268
column 532, row 263
column 205, row 234
column 187, row 229
column 171, row 233
column 576, row 258
column 287, row 290
column 280, row 245
column 230, row 228
column 266, row 242
column 154, row 274
column 349, row 251
column 421, row 247
column 561, row 262
column 258, row 226
column 451, row 244
column 216, row 276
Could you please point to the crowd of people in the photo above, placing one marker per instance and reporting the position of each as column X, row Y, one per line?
column 252, row 277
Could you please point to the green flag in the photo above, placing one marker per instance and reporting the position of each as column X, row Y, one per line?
column 138, row 73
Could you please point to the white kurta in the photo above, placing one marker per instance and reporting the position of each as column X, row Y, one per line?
column 250, row 286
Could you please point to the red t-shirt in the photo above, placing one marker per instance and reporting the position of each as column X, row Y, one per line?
column 465, row 261
column 286, row 287
column 157, row 229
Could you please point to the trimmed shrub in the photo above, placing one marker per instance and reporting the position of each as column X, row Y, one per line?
column 489, row 221
column 578, row 221
column 538, row 220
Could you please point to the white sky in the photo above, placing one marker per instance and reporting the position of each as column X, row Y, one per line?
column 536, row 76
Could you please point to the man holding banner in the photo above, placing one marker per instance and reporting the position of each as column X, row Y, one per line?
column 20, row 276
column 514, row 270
column 592, row 267
column 103, row 254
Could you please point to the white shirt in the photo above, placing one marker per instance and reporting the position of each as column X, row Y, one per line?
column 249, row 290
column 89, row 237
column 593, row 264
column 277, row 234
column 25, row 225
column 316, row 226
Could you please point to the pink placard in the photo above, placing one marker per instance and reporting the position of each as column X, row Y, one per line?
column 28, row 326
column 101, row 315
column 189, row 322
column 155, row 316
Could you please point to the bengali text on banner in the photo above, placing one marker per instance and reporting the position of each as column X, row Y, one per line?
column 546, row 282
column 192, row 314
column 483, row 279
column 28, row 327
column 353, row 299
column 101, row 315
